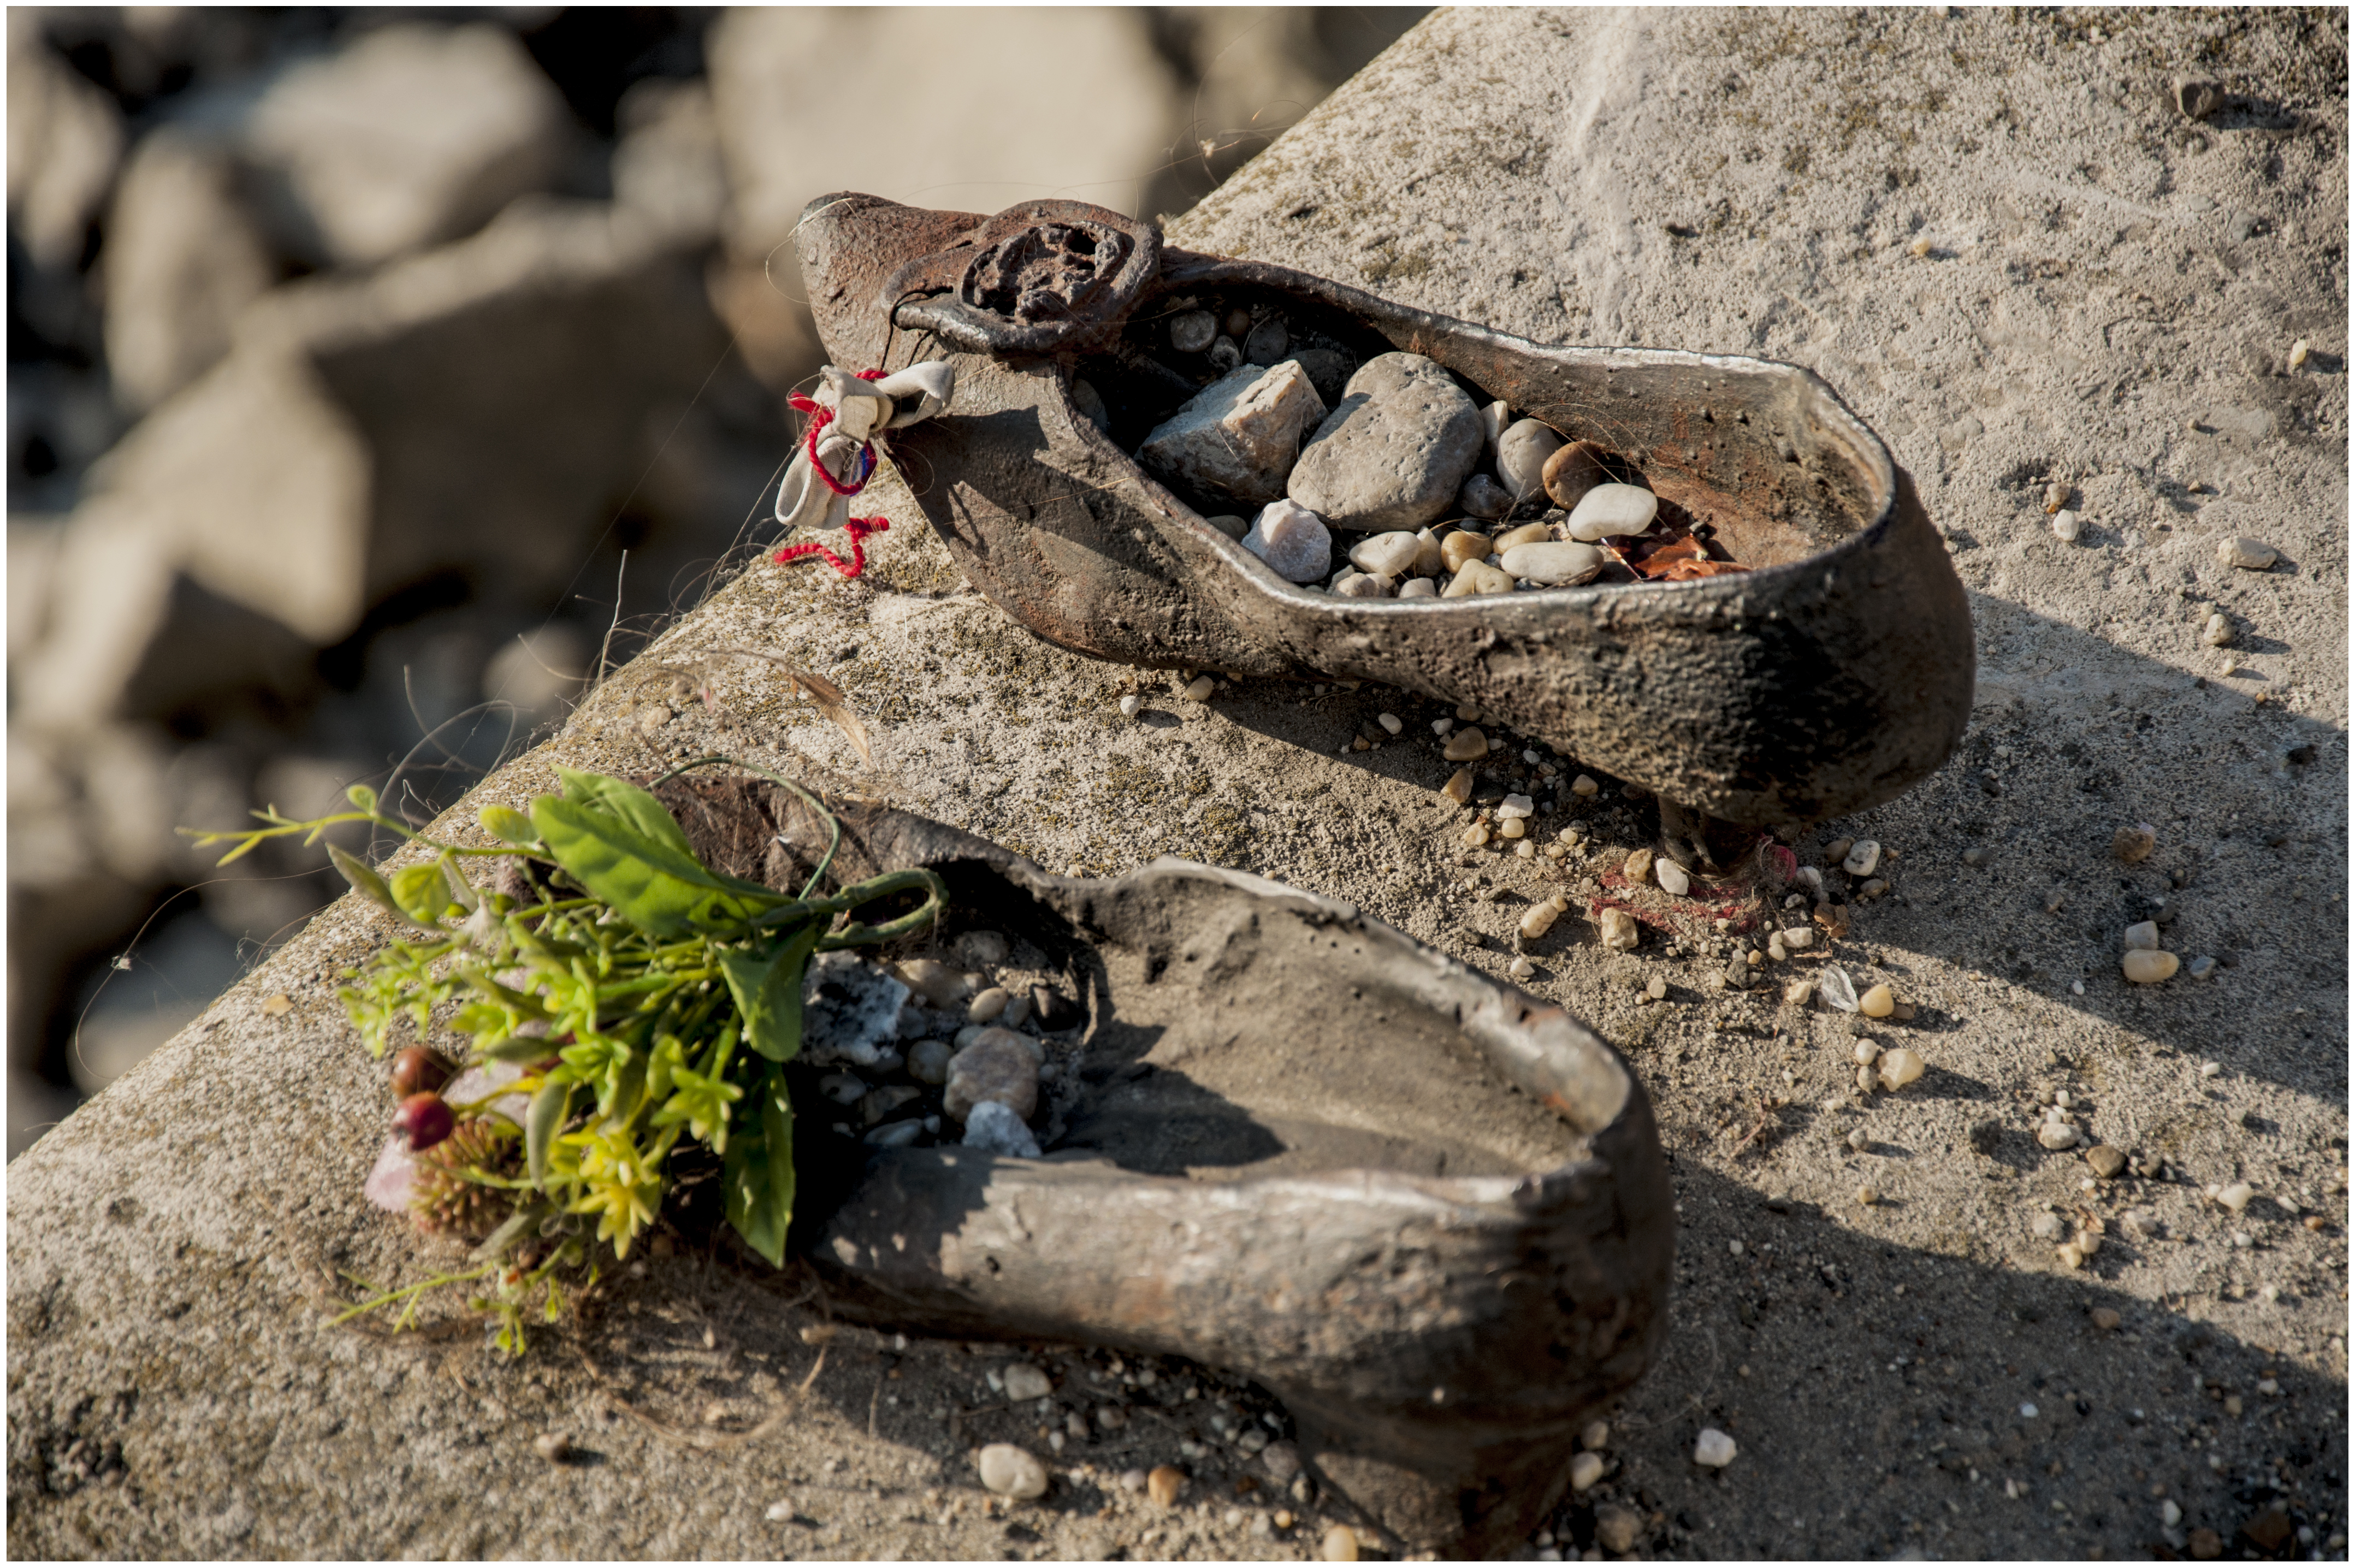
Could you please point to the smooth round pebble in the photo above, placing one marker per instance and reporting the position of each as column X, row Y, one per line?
column 1862, row 857
column 1012, row 1472
column 1340, row 1545
column 2057, row 1136
column 1553, row 564
column 1585, row 1469
column 1672, row 878
column 2149, row 968
column 2142, row 936
column 1192, row 331
column 985, row 1007
column 1574, row 471
column 1521, row 454
column 555, row 1448
column 1025, row 1381
column 1477, row 576
column 2067, row 526
column 1392, row 554
column 1877, row 1003
column 1611, row 510
column 1131, row 705
column 1418, row 587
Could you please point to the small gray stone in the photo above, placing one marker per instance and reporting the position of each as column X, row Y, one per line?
column 894, row 1135
column 1192, row 331
column 1282, row 1459
column 1395, row 450
column 2218, row 632
column 1226, row 354
column 879, row 1104
column 2199, row 968
column 2250, row 555
column 2197, row 98
column 1292, row 540
column 1012, row 1472
column 1090, row 404
column 1521, row 454
column 994, row 1128
column 1483, row 497
column 2106, row 1161
column 1238, row 436
column 1266, row 344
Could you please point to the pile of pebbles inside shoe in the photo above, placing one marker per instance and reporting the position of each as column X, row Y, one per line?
column 1392, row 480
column 969, row 1047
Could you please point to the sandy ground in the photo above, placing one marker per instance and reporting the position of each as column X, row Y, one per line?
column 1997, row 239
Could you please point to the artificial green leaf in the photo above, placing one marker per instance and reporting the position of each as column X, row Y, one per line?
column 626, row 802
column 542, row 1122
column 507, row 825
column 421, row 893
column 768, row 991
column 758, row 1168
column 364, row 879
column 361, row 796
column 663, row 891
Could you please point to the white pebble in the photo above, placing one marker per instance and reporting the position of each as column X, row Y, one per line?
column 1517, row 805
column 1899, row 1068
column 1012, row 1472
column 1672, row 878
column 2143, row 936
column 1418, row 587
column 2299, row 352
column 1585, row 1469
column 1867, row 1053
column 1024, row 1381
column 1608, row 510
column 2057, row 1136
column 1862, row 857
column 1390, row 722
column 2236, row 1197
column 1520, row 968
column 1131, row 705
column 1798, row 939
column 2067, row 526
column 2218, row 631
column 1199, row 690
column 1553, row 564
column 2211, row 1069
column 1713, row 1447
column 1386, row 555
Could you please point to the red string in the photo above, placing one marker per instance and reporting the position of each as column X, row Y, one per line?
column 857, row 528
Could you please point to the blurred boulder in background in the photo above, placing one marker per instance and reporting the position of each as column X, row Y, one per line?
column 182, row 259
column 413, row 135
column 353, row 354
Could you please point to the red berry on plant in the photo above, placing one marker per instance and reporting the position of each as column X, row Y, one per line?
column 426, row 1119
column 418, row 1071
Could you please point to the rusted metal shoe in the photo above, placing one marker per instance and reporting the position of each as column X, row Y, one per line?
column 1830, row 677
column 1426, row 1211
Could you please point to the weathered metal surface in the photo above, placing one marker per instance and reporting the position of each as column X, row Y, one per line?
column 1039, row 278
column 1438, row 1340
column 1831, row 677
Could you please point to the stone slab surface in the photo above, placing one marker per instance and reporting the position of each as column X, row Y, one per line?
column 1996, row 238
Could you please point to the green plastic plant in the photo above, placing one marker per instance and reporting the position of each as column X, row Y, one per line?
column 648, row 1000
